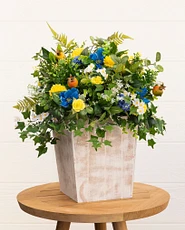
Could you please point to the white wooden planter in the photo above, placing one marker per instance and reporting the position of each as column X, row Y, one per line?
column 87, row 175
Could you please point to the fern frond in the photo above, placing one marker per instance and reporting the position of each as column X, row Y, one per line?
column 118, row 38
column 62, row 38
column 27, row 103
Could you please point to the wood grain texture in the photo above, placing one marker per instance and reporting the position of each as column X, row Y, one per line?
column 63, row 225
column 119, row 225
column 100, row 226
column 48, row 202
column 88, row 175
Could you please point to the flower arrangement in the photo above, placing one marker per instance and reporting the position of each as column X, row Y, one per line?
column 85, row 88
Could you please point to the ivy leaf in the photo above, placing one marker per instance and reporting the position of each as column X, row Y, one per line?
column 20, row 125
column 108, row 143
column 108, row 128
column 41, row 149
column 26, row 114
column 100, row 132
column 158, row 56
column 78, row 132
column 89, row 129
column 151, row 143
column 24, row 135
column 36, row 140
column 80, row 124
column 32, row 129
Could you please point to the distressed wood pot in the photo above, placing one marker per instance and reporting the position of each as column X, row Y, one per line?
column 87, row 175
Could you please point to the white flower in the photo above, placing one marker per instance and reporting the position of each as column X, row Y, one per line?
column 89, row 68
column 136, row 102
column 133, row 96
column 114, row 90
column 103, row 72
column 141, row 108
column 126, row 93
column 105, row 97
column 40, row 117
column 119, row 84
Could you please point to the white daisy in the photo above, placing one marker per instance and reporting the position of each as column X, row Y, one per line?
column 103, row 72
column 89, row 68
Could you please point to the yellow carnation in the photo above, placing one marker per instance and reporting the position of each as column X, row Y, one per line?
column 57, row 88
column 76, row 52
column 78, row 105
column 97, row 80
column 108, row 61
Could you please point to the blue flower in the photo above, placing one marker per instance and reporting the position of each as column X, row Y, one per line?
column 123, row 105
column 76, row 60
column 142, row 95
column 66, row 97
column 98, row 57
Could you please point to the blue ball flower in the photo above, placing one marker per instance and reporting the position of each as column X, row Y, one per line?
column 142, row 95
column 98, row 57
column 67, row 97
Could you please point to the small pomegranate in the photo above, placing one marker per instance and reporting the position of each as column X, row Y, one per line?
column 158, row 89
column 72, row 82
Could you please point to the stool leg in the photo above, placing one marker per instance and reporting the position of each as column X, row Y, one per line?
column 100, row 226
column 63, row 225
column 119, row 225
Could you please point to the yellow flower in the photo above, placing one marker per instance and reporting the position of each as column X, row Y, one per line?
column 77, row 52
column 108, row 61
column 130, row 59
column 60, row 55
column 57, row 88
column 97, row 80
column 78, row 105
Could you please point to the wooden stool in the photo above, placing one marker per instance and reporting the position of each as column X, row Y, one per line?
column 48, row 202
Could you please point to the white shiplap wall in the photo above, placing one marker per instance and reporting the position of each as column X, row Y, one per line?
column 156, row 26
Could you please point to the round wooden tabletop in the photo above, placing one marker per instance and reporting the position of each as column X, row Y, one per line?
column 48, row 202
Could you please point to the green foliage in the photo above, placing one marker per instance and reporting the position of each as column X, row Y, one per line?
column 63, row 39
column 27, row 103
column 118, row 38
column 109, row 92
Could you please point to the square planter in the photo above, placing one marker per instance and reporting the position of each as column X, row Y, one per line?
column 88, row 175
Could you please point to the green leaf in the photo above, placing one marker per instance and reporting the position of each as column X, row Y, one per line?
column 52, row 57
column 100, row 132
column 80, row 124
column 56, row 98
column 45, row 54
column 160, row 68
column 99, row 88
column 97, row 110
column 89, row 110
column 102, row 116
column 93, row 138
column 158, row 56
column 85, row 52
column 24, row 135
column 78, row 132
column 41, row 149
column 20, row 125
column 115, row 110
column 26, row 114
column 108, row 143
column 32, row 129
column 151, row 143
column 36, row 140
column 109, row 127
column 89, row 129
